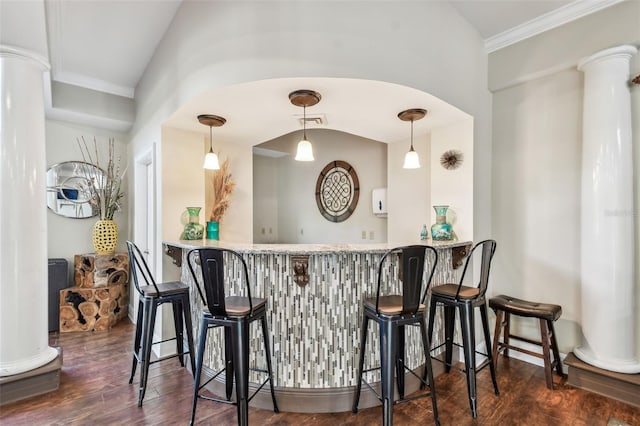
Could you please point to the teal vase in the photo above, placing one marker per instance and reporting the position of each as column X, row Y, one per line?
column 193, row 230
column 441, row 230
column 213, row 229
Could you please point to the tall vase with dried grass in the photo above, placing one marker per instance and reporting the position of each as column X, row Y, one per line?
column 223, row 187
column 107, row 195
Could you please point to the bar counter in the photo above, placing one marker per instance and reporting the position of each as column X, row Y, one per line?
column 314, row 299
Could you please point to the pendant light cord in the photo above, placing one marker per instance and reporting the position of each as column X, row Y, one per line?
column 411, row 135
column 210, row 139
column 304, row 122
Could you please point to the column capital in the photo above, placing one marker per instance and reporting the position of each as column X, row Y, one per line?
column 7, row 51
column 619, row 51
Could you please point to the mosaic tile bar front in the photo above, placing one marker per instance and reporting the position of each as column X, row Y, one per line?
column 314, row 330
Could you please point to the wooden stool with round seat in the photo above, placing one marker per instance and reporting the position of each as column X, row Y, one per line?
column 546, row 313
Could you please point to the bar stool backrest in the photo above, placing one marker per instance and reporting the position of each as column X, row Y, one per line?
column 487, row 249
column 212, row 264
column 412, row 264
column 138, row 264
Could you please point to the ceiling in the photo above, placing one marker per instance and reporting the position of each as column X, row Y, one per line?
column 106, row 45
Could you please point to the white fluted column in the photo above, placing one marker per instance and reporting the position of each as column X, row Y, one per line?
column 23, row 221
column 608, row 321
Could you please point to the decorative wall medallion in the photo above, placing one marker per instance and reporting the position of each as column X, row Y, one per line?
column 300, row 266
column 337, row 191
column 451, row 159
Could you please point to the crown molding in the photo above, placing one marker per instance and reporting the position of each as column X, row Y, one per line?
column 556, row 18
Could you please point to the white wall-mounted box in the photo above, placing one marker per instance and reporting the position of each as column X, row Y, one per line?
column 379, row 201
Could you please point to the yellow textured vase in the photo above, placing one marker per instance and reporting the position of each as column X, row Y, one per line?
column 105, row 237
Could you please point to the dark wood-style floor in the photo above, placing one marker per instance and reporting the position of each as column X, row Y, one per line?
column 94, row 390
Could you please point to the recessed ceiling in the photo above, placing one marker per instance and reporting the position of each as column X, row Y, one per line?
column 105, row 45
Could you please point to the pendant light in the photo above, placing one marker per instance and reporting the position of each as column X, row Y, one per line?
column 304, row 98
column 411, row 159
column 211, row 159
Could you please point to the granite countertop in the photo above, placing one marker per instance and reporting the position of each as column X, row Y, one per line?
column 308, row 248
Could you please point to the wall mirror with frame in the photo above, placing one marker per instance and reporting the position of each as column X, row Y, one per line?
column 71, row 189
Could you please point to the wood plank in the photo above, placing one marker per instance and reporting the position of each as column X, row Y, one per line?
column 94, row 389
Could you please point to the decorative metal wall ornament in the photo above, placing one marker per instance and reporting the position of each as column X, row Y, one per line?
column 337, row 191
column 451, row 159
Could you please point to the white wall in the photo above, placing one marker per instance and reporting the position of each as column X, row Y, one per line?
column 408, row 191
column 299, row 219
column 537, row 109
column 536, row 188
column 182, row 179
column 68, row 237
column 453, row 187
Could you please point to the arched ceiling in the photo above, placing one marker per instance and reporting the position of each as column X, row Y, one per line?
column 259, row 111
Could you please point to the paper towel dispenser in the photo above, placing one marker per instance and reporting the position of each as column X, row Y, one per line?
column 379, row 201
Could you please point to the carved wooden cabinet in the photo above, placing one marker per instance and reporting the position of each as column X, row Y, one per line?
column 100, row 296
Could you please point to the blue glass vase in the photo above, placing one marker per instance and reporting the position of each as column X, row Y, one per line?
column 441, row 230
column 193, row 230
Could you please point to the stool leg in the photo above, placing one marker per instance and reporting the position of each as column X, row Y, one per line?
column 228, row 362
column 469, row 345
column 202, row 340
column 496, row 338
column 449, row 324
column 387, row 361
column 176, row 307
column 400, row 361
column 506, row 333
column 265, row 337
column 554, row 347
column 240, row 342
column 363, row 346
column 487, row 342
column 186, row 312
column 148, row 324
column 546, row 354
column 429, row 371
column 136, row 340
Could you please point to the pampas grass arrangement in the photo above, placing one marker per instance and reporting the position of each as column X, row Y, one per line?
column 222, row 189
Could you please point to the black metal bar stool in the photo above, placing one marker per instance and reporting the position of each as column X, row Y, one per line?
column 393, row 313
column 235, row 314
column 152, row 295
column 546, row 313
column 464, row 298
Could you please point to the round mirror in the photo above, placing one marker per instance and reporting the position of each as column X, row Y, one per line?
column 71, row 189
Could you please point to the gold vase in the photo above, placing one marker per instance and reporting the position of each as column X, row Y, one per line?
column 105, row 237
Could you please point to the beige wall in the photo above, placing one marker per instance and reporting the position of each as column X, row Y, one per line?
column 67, row 237
column 536, row 196
column 536, row 157
column 453, row 187
column 298, row 219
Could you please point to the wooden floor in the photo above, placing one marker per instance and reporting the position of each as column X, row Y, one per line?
column 94, row 391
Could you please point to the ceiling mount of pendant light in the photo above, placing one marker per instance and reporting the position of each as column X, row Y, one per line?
column 304, row 98
column 411, row 160
column 211, row 159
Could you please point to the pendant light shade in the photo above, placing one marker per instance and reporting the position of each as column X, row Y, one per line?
column 411, row 159
column 211, row 159
column 304, row 151
column 304, row 98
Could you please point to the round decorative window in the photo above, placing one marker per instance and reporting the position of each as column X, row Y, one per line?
column 337, row 191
